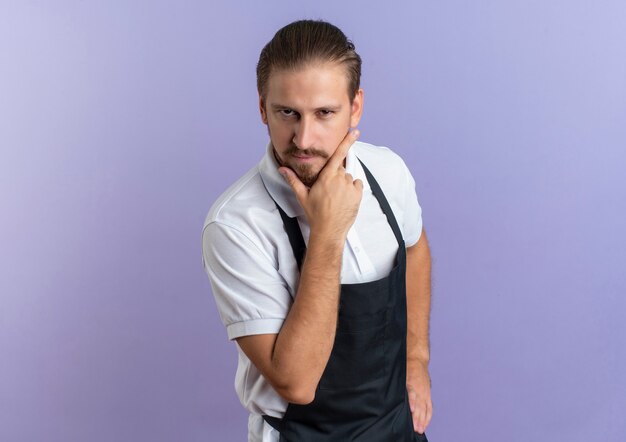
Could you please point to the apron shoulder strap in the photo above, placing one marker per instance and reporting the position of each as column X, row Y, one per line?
column 295, row 236
column 384, row 204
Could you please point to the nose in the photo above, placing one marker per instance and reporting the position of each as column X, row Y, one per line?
column 304, row 137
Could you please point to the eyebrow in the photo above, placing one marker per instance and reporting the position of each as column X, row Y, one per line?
column 276, row 106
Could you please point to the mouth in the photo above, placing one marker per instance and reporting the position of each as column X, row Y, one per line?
column 305, row 158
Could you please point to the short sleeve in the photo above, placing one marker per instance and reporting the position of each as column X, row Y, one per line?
column 251, row 296
column 412, row 226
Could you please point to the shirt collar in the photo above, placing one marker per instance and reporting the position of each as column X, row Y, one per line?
column 280, row 190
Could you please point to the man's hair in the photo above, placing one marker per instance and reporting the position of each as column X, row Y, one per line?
column 307, row 42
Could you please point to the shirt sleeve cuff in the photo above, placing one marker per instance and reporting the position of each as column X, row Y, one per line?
column 254, row 327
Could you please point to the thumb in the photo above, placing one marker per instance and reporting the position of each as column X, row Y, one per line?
column 412, row 395
column 294, row 182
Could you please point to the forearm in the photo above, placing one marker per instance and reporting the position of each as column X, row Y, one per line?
column 306, row 338
column 418, row 287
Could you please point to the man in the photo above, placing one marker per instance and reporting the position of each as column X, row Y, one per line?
column 322, row 276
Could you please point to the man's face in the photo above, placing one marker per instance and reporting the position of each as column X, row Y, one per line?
column 308, row 113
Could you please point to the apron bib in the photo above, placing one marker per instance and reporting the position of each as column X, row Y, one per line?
column 362, row 395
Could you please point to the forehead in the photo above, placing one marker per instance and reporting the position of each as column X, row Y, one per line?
column 309, row 87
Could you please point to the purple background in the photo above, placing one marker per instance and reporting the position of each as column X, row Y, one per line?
column 121, row 122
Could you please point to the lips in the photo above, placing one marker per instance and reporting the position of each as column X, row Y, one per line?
column 303, row 157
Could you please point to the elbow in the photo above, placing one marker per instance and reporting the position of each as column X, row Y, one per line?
column 299, row 396
column 292, row 385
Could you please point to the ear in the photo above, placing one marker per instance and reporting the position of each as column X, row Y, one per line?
column 357, row 108
column 262, row 110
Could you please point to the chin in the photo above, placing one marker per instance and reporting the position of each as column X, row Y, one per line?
column 308, row 179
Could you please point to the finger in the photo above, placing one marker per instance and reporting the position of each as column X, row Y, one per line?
column 337, row 158
column 421, row 420
column 358, row 184
column 424, row 417
column 294, row 182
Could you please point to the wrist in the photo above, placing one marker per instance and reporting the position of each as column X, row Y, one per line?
column 422, row 360
column 327, row 237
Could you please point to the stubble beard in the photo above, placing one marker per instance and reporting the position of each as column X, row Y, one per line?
column 304, row 171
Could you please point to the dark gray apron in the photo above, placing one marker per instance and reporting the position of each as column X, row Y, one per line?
column 362, row 394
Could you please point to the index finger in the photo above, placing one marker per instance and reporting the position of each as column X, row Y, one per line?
column 336, row 159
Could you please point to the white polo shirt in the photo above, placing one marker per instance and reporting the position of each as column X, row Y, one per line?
column 254, row 274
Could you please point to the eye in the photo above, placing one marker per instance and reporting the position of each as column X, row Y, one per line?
column 286, row 110
column 326, row 112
